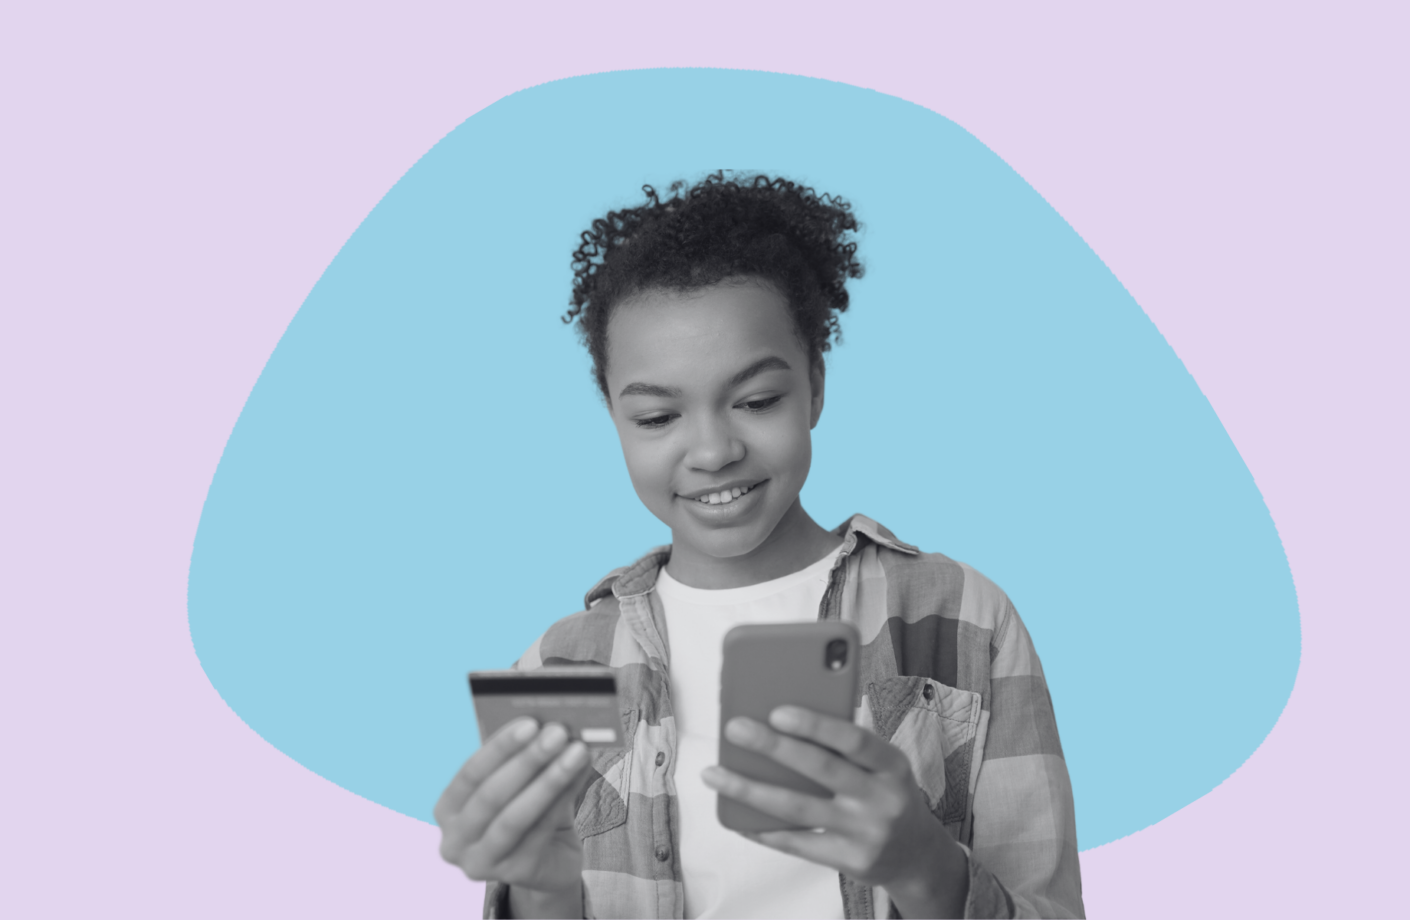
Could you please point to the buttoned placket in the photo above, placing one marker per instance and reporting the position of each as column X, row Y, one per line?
column 633, row 591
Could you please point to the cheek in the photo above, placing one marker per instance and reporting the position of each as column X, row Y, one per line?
column 646, row 465
column 802, row 456
column 790, row 447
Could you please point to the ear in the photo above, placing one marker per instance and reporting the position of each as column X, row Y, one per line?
column 817, row 377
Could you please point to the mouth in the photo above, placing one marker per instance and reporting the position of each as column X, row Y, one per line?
column 725, row 494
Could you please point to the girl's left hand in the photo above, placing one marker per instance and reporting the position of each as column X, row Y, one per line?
column 877, row 829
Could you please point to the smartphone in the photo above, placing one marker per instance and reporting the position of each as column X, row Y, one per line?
column 813, row 665
column 582, row 698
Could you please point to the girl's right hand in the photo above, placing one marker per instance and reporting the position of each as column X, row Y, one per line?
column 507, row 816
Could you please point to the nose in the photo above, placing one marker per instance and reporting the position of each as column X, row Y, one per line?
column 713, row 446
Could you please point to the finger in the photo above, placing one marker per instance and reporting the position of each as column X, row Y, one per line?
column 853, row 742
column 487, row 859
column 817, row 763
column 559, row 814
column 502, row 745
column 535, row 804
column 794, row 807
column 500, row 787
column 461, row 832
column 483, row 860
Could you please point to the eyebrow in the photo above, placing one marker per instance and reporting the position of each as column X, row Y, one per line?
column 771, row 363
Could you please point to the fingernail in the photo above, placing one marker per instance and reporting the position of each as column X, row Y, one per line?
column 553, row 736
column 739, row 729
column 524, row 730
column 711, row 776
column 785, row 718
column 575, row 756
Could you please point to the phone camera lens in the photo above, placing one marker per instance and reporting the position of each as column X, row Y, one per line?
column 836, row 656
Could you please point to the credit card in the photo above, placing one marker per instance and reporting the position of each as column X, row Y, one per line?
column 583, row 699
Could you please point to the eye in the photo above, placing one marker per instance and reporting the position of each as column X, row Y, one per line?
column 759, row 405
column 653, row 422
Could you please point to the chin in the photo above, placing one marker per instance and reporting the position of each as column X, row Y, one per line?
column 727, row 542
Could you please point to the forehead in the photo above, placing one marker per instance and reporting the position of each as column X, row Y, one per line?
column 698, row 337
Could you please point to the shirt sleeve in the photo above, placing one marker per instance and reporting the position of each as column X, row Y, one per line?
column 1023, row 848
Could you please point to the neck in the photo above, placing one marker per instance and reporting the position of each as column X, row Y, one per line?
column 796, row 543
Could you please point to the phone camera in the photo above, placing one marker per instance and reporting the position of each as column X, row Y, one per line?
column 836, row 655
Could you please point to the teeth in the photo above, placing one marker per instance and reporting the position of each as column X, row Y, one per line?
column 724, row 498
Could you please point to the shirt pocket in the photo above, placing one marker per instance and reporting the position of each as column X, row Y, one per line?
column 941, row 731
column 602, row 804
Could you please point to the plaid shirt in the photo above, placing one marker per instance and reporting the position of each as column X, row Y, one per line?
column 948, row 675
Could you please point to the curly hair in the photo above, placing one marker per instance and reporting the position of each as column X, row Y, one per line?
column 770, row 229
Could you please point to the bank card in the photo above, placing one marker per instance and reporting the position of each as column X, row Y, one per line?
column 583, row 699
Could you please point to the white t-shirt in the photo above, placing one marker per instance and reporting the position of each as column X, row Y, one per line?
column 725, row 874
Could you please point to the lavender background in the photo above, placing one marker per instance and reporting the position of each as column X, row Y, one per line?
column 175, row 181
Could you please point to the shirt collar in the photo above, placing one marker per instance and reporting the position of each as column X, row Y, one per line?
column 861, row 525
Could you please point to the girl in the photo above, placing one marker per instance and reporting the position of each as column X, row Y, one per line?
column 707, row 315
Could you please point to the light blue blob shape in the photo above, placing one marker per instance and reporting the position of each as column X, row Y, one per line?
column 423, row 478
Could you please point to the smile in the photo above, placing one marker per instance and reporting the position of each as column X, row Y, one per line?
column 722, row 496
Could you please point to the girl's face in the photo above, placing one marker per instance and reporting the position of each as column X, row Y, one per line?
column 714, row 401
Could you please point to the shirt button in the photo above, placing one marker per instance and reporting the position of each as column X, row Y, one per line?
column 928, row 692
column 660, row 758
column 663, row 854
